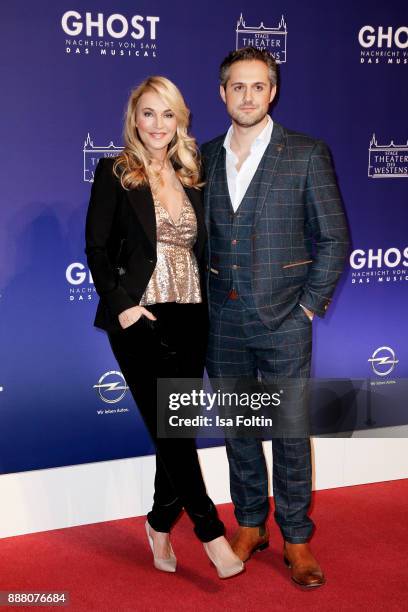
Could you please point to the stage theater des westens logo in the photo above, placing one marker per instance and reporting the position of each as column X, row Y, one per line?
column 383, row 44
column 387, row 161
column 110, row 35
column 263, row 37
column 92, row 154
column 379, row 266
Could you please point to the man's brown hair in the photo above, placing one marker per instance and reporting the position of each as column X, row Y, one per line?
column 249, row 54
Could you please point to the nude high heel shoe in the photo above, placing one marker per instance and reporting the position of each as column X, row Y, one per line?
column 227, row 569
column 165, row 565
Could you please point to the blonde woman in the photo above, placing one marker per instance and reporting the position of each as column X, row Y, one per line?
column 145, row 239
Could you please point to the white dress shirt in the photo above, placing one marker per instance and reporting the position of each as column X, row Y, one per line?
column 239, row 180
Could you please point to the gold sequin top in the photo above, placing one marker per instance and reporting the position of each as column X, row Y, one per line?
column 176, row 276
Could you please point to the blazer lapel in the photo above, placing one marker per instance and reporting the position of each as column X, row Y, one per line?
column 142, row 204
column 195, row 198
column 270, row 163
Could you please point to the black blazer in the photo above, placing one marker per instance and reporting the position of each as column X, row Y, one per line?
column 121, row 242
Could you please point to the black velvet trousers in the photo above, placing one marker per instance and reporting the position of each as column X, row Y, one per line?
column 172, row 346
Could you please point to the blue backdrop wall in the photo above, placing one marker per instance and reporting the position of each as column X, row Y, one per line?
column 68, row 68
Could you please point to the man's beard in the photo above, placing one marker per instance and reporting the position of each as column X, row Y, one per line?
column 243, row 120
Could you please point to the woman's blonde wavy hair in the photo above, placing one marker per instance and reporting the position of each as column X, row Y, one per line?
column 132, row 164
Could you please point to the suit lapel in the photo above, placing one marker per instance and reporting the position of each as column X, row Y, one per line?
column 269, row 166
column 142, row 204
column 195, row 198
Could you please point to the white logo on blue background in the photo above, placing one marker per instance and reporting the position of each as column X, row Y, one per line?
column 110, row 35
column 92, row 154
column 387, row 161
column 263, row 37
column 383, row 361
column 383, row 45
column 379, row 266
column 80, row 283
column 111, row 387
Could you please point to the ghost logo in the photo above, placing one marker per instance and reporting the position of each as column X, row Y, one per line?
column 383, row 361
column 383, row 44
column 110, row 35
column 79, row 278
column 116, row 26
column 111, row 387
column 383, row 37
column 76, row 274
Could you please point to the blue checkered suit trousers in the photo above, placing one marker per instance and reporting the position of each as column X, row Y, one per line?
column 241, row 345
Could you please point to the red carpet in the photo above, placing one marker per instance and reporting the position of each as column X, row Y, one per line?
column 361, row 542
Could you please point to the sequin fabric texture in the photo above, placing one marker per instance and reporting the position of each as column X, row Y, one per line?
column 175, row 277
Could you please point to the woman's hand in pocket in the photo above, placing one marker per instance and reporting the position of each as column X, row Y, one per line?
column 132, row 315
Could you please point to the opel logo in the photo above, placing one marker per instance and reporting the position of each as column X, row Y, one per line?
column 383, row 361
column 111, row 387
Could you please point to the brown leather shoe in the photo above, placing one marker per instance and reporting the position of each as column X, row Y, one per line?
column 248, row 540
column 305, row 570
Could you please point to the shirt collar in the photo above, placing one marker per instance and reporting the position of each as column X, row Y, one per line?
column 262, row 139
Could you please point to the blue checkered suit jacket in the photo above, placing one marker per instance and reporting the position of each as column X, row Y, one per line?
column 300, row 237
